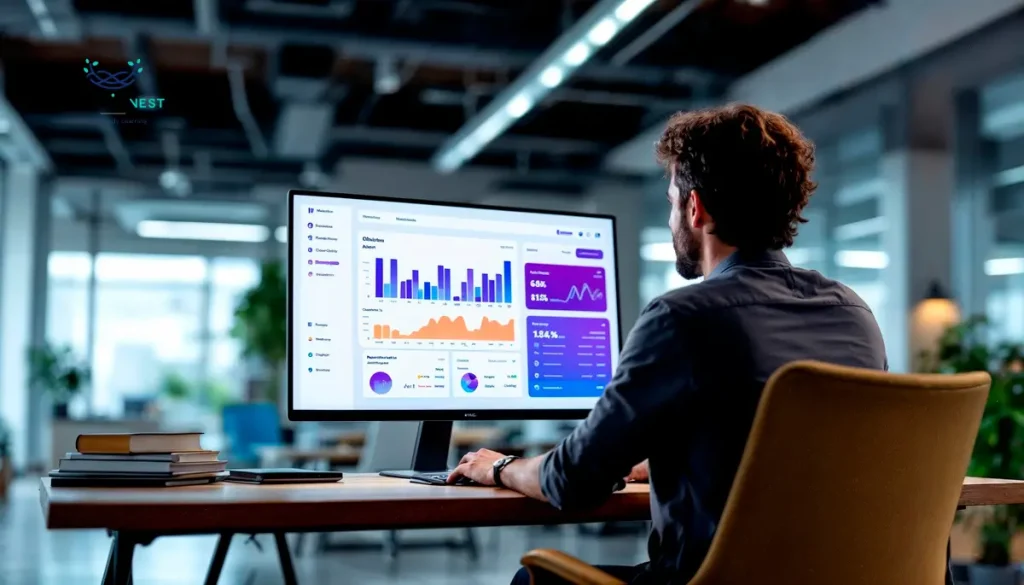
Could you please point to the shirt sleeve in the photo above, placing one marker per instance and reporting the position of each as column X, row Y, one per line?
column 582, row 470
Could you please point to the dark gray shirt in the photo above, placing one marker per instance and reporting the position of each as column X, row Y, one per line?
column 688, row 382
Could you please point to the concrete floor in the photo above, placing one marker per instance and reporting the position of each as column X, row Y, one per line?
column 31, row 555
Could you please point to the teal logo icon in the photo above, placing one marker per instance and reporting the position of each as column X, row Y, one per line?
column 113, row 81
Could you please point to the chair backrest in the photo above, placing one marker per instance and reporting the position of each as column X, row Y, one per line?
column 849, row 477
column 249, row 426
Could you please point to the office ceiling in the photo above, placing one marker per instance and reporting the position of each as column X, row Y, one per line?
column 277, row 91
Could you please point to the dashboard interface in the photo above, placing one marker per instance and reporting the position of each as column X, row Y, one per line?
column 411, row 306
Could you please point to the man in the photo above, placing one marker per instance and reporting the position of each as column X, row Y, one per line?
column 694, row 366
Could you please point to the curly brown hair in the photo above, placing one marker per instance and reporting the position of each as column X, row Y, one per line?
column 751, row 167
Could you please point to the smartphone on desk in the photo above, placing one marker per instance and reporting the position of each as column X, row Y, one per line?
column 279, row 475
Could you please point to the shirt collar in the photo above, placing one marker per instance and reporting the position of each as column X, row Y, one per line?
column 750, row 258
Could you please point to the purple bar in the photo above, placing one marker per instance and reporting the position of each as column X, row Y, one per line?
column 447, row 284
column 378, row 269
column 464, row 293
column 440, row 281
column 589, row 254
column 415, row 284
column 470, row 283
column 456, row 299
column 484, row 288
column 394, row 278
column 402, row 294
column 498, row 290
column 490, row 291
column 409, row 291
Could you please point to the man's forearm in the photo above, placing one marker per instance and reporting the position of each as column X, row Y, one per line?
column 523, row 476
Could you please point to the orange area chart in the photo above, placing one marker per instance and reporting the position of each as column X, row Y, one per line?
column 449, row 329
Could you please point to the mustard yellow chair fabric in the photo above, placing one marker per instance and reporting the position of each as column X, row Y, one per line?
column 849, row 477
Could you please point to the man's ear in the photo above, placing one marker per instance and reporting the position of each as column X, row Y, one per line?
column 698, row 216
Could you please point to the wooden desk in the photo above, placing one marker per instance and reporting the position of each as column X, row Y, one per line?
column 361, row 502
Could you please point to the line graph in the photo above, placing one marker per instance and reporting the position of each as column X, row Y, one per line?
column 565, row 288
column 584, row 293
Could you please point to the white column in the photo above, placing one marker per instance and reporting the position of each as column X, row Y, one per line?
column 17, row 262
column 917, row 209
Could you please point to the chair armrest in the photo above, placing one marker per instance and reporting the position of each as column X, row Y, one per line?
column 567, row 567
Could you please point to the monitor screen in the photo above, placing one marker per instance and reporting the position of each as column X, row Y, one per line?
column 403, row 310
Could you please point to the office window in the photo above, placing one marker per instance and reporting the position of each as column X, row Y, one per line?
column 999, row 236
column 149, row 319
column 67, row 303
column 230, row 279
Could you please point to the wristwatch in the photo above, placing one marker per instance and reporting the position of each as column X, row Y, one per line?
column 502, row 464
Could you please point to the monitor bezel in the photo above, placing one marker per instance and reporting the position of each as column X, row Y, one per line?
column 425, row 415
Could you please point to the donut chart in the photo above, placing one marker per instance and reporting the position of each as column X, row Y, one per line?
column 380, row 383
column 470, row 382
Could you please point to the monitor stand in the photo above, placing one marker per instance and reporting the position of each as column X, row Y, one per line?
column 431, row 453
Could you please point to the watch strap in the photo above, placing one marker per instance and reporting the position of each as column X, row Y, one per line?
column 502, row 464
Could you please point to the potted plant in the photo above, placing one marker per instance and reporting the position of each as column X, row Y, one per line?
column 261, row 321
column 999, row 448
column 57, row 372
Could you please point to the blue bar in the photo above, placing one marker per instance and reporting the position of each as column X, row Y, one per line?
column 419, row 293
column 498, row 290
column 433, row 293
column 508, row 281
column 485, row 287
column 415, row 284
column 426, row 290
column 464, row 292
column 477, row 293
column 447, row 284
column 469, row 282
column 394, row 278
column 456, row 299
column 440, row 281
column 378, row 275
column 408, row 289
column 387, row 291
column 490, row 291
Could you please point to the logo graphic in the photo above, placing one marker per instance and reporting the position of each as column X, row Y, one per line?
column 112, row 82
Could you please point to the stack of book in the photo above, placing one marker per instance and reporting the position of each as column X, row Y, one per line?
column 138, row 460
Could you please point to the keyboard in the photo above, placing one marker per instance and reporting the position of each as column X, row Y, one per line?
column 441, row 478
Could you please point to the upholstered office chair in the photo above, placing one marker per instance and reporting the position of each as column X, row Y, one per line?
column 849, row 477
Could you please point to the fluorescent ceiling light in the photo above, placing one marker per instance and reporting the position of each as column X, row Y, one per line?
column 519, row 106
column 630, row 9
column 48, row 27
column 1004, row 266
column 571, row 50
column 603, row 32
column 281, row 234
column 658, row 252
column 191, row 230
column 869, row 259
column 552, row 76
column 579, row 53
column 1009, row 177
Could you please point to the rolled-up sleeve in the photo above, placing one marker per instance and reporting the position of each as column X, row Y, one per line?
column 648, row 385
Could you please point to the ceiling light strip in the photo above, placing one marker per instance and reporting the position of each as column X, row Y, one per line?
column 193, row 230
column 568, row 53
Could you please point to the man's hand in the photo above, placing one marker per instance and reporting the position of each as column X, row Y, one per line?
column 477, row 466
column 639, row 473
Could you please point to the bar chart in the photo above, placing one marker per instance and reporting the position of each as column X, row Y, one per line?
column 409, row 267
column 392, row 281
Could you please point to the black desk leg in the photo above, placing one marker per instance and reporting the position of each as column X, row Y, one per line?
column 119, row 562
column 285, row 555
column 949, row 563
column 217, row 562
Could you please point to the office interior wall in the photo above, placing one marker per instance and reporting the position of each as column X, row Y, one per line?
column 17, row 252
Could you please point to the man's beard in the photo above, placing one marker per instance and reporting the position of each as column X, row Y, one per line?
column 687, row 248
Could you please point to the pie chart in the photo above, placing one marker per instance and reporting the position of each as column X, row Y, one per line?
column 380, row 383
column 470, row 382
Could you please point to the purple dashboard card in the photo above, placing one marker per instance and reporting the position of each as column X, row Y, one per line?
column 570, row 357
column 554, row 287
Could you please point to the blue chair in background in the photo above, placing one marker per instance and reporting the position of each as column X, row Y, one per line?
column 247, row 427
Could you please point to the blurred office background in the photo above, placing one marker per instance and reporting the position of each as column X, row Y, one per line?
column 130, row 238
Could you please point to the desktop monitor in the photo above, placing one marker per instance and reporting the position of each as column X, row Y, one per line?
column 431, row 311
